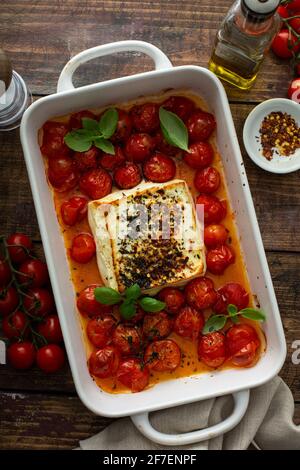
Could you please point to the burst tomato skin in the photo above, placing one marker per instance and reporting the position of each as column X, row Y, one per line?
column 200, row 125
column 124, row 127
column 159, row 168
column 132, row 375
column 23, row 245
column 15, row 326
column 39, row 302
column 127, row 339
column 111, row 162
column 238, row 336
column 50, row 358
column 214, row 235
column 5, row 273
column 127, row 176
column 199, row 156
column 83, row 248
column 62, row 173
column 65, row 184
column 280, row 44
column 76, row 119
column 86, row 160
column 207, row 180
column 50, row 329
column 100, row 330
column 104, row 362
column 173, row 298
column 162, row 355
column 139, row 147
column 232, row 293
column 294, row 90
column 179, row 105
column 200, row 293
column 212, row 349
column 88, row 305
column 214, row 209
column 53, row 139
column 96, row 183
column 157, row 326
column 145, row 117
column 219, row 258
column 189, row 322
column 33, row 272
column 9, row 300
column 21, row 355
column 74, row 210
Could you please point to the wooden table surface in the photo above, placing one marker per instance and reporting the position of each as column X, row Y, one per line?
column 39, row 411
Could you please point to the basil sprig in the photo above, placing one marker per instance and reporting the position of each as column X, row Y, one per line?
column 94, row 133
column 217, row 322
column 173, row 128
column 129, row 300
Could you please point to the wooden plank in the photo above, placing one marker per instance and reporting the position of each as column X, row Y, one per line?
column 40, row 37
column 34, row 421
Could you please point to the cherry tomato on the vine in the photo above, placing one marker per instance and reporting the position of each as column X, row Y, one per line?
column 21, row 355
column 284, row 44
column 50, row 329
column 294, row 90
column 50, row 358
column 9, row 300
column 20, row 247
column 5, row 273
column 33, row 272
column 39, row 302
column 15, row 326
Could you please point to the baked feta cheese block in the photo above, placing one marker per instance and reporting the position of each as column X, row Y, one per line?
column 149, row 235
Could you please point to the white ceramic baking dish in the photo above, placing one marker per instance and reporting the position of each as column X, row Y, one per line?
column 184, row 390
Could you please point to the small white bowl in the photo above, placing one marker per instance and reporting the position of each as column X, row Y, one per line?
column 251, row 136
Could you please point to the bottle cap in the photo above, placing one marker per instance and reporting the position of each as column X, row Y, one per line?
column 262, row 7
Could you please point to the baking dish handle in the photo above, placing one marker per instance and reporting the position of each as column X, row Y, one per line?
column 241, row 401
column 160, row 60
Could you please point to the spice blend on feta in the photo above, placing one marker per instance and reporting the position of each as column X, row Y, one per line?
column 279, row 133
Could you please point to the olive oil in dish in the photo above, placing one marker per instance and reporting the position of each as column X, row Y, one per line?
column 243, row 40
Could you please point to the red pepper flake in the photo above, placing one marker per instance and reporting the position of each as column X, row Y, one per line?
column 280, row 134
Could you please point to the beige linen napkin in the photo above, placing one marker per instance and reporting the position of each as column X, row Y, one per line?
column 268, row 422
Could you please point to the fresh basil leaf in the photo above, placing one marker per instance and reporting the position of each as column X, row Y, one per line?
column 150, row 304
column 253, row 314
column 104, row 145
column 214, row 323
column 108, row 123
column 77, row 142
column 107, row 295
column 173, row 129
column 128, row 309
column 90, row 124
column 133, row 292
column 232, row 310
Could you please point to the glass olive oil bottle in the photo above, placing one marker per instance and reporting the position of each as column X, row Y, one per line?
column 243, row 40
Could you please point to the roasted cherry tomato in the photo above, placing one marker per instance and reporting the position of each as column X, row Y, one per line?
column 20, row 247
column 162, row 146
column 214, row 235
column 214, row 209
column 33, row 272
column 163, row 355
column 212, row 349
column 96, row 183
column 294, row 90
column 157, row 326
column 15, row 326
column 200, row 125
column 86, row 160
column 21, row 355
column 50, row 358
column 39, row 302
column 200, row 293
column 145, row 117
column 100, row 330
column 219, row 258
column 83, row 248
column 238, row 336
column 65, row 184
column 50, row 329
column 5, row 273
column 60, row 170
column 179, row 105
column 76, row 118
column 284, row 44
column 137, row 318
column 207, row 180
column 231, row 293
column 159, row 168
column 127, row 176
column 139, row 147
column 53, row 139
column 127, row 339
column 88, row 305
column 104, row 362
column 199, row 156
column 74, row 210
column 124, row 127
column 173, row 298
column 189, row 323
column 246, row 357
column 111, row 162
column 9, row 300
column 133, row 375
